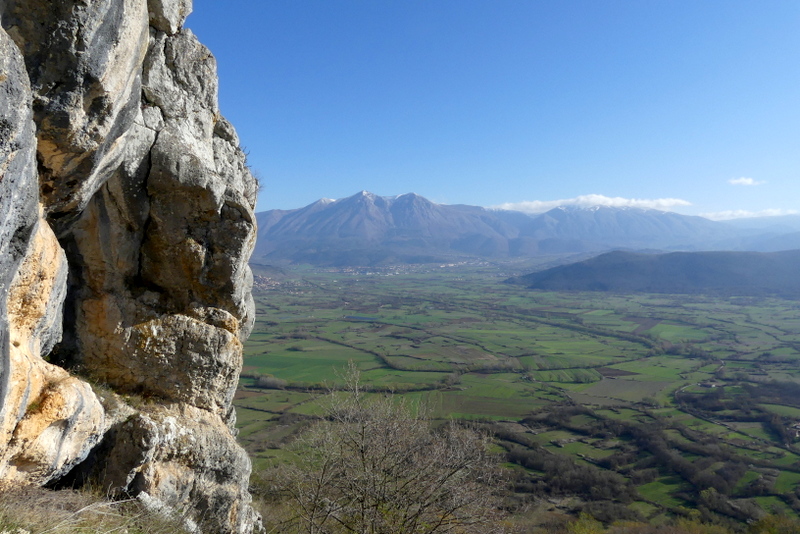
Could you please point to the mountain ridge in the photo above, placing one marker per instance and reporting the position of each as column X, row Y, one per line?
column 717, row 272
column 370, row 229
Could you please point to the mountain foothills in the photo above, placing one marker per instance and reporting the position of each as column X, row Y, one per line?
column 126, row 222
column 720, row 273
column 366, row 229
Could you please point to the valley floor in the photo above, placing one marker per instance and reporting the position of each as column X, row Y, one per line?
column 627, row 407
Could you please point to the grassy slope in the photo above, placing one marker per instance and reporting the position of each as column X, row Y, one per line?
column 38, row 510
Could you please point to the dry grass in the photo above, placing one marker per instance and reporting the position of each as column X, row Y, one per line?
column 32, row 510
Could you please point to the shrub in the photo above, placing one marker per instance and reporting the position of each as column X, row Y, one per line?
column 375, row 465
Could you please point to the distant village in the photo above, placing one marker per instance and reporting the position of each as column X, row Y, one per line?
column 271, row 283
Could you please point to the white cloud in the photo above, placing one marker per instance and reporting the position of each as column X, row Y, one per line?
column 745, row 181
column 586, row 201
column 745, row 214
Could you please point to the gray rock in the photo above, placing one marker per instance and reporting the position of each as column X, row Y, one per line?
column 49, row 420
column 151, row 199
column 84, row 65
column 18, row 186
column 178, row 455
column 168, row 16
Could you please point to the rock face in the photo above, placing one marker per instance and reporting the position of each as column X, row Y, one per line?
column 126, row 223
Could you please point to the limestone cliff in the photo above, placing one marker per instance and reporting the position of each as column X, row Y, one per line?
column 126, row 222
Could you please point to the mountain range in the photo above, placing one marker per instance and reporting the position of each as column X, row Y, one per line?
column 367, row 229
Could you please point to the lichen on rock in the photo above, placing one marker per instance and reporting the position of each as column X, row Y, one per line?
column 126, row 226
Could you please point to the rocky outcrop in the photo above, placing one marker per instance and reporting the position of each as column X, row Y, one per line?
column 126, row 222
column 51, row 420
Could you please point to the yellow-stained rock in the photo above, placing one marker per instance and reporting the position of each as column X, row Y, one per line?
column 51, row 420
column 110, row 128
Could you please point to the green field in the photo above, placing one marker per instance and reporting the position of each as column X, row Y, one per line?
column 671, row 394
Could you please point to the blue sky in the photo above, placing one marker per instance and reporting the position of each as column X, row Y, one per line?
column 689, row 105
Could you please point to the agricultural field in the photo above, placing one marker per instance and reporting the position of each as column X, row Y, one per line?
column 639, row 406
